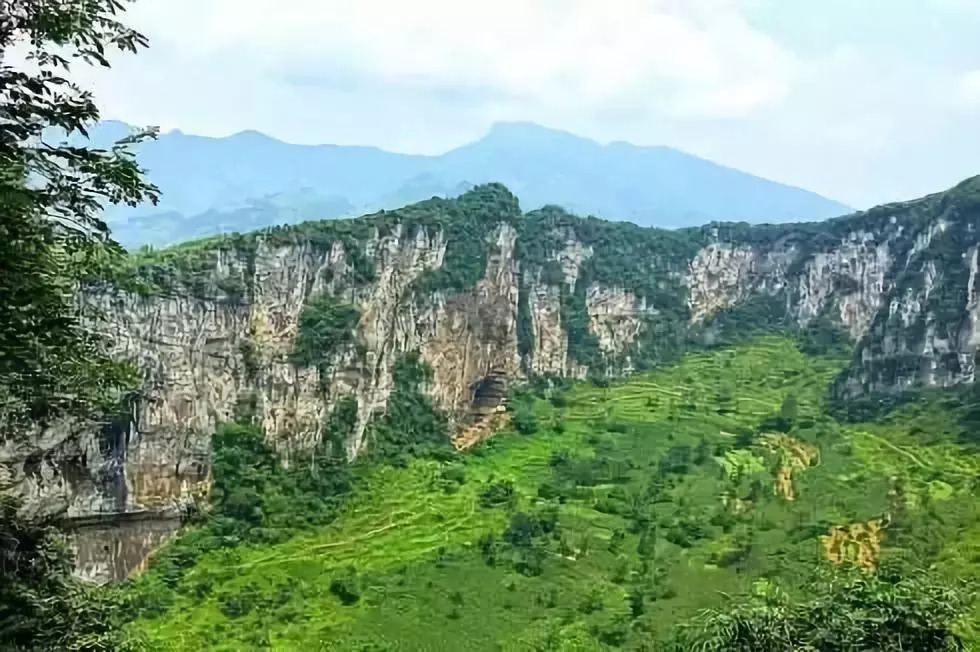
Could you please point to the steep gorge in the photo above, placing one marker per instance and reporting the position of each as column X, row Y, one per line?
column 480, row 290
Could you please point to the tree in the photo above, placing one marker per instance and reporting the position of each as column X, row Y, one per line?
column 524, row 419
column 412, row 425
column 522, row 530
column 346, row 586
column 42, row 607
column 52, row 239
column 851, row 610
column 521, row 406
column 53, row 361
column 790, row 408
column 646, row 548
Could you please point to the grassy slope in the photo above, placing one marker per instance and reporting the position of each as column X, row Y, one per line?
column 426, row 587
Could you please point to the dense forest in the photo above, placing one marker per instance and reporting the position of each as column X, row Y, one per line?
column 716, row 499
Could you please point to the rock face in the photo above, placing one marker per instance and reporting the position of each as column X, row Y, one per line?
column 720, row 276
column 550, row 344
column 901, row 279
column 615, row 316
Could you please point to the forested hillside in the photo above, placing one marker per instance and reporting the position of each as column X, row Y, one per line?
column 603, row 518
column 740, row 471
column 303, row 388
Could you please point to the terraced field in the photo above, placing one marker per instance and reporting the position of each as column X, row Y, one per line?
column 673, row 491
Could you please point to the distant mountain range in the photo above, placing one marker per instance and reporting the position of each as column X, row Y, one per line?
column 250, row 180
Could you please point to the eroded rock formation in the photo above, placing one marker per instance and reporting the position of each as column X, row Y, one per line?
column 902, row 280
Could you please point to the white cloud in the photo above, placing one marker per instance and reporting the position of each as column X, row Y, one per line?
column 562, row 55
column 812, row 93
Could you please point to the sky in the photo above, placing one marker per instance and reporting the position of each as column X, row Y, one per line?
column 863, row 101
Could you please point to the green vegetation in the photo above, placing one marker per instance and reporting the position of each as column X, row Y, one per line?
column 411, row 425
column 52, row 238
column 583, row 345
column 857, row 611
column 525, row 329
column 715, row 483
column 464, row 224
column 326, row 325
column 193, row 267
column 42, row 606
column 53, row 363
column 606, row 515
column 255, row 500
column 524, row 419
column 647, row 262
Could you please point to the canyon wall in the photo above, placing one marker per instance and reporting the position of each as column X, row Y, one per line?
column 901, row 280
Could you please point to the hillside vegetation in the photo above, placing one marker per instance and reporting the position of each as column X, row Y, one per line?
column 616, row 513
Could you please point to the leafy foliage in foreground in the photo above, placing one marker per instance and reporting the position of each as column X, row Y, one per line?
column 52, row 238
column 53, row 363
column 844, row 611
column 42, row 605
column 630, row 508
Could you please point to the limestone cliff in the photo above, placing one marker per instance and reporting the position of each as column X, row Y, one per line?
column 900, row 278
column 480, row 290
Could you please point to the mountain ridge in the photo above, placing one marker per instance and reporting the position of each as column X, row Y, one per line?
column 294, row 320
column 205, row 180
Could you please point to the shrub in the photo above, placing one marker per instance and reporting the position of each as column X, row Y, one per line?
column 522, row 530
column 548, row 491
column 488, row 548
column 524, row 420
column 451, row 478
column 529, row 561
column 521, row 406
column 346, row 586
column 677, row 460
column 592, row 602
column 843, row 611
column 498, row 494
column 326, row 324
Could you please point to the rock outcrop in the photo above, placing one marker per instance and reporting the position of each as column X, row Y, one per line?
column 901, row 279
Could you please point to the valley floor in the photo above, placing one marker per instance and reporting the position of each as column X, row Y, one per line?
column 643, row 502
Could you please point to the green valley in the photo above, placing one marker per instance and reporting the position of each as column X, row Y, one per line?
column 623, row 510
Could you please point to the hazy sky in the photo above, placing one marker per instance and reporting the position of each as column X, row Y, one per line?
column 864, row 101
